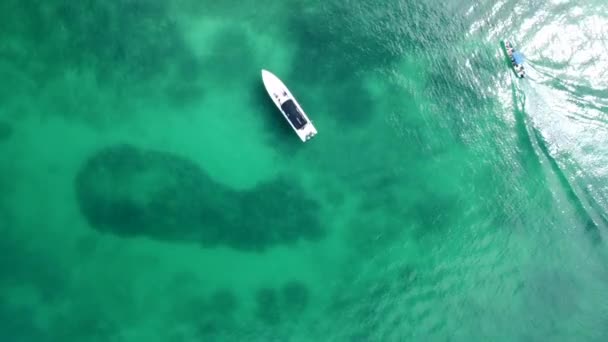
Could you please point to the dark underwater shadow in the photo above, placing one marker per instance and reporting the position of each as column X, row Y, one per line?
column 128, row 192
column 276, row 305
column 6, row 131
column 126, row 50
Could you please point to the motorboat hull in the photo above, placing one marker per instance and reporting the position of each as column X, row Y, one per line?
column 288, row 106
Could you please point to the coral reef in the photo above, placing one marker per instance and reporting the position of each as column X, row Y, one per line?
column 128, row 191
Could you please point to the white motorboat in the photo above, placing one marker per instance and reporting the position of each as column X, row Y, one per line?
column 287, row 104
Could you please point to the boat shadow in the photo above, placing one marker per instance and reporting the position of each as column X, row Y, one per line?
column 278, row 131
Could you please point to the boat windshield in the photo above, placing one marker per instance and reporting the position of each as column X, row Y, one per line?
column 293, row 114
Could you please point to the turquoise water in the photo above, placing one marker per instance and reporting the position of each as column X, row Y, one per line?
column 150, row 190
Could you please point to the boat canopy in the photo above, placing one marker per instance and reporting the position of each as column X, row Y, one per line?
column 293, row 114
column 518, row 58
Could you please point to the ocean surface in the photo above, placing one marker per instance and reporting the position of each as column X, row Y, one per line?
column 150, row 190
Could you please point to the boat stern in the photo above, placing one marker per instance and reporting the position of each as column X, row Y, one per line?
column 307, row 132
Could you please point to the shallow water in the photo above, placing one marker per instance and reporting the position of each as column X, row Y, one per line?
column 151, row 191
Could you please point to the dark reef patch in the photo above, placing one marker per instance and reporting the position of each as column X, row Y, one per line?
column 6, row 131
column 376, row 41
column 134, row 48
column 295, row 296
column 268, row 307
column 186, row 86
column 231, row 57
column 210, row 317
column 138, row 36
column 135, row 192
column 281, row 213
column 272, row 304
column 129, row 191
column 223, row 302
column 321, row 36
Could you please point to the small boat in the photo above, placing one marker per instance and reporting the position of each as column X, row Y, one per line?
column 287, row 104
column 517, row 59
